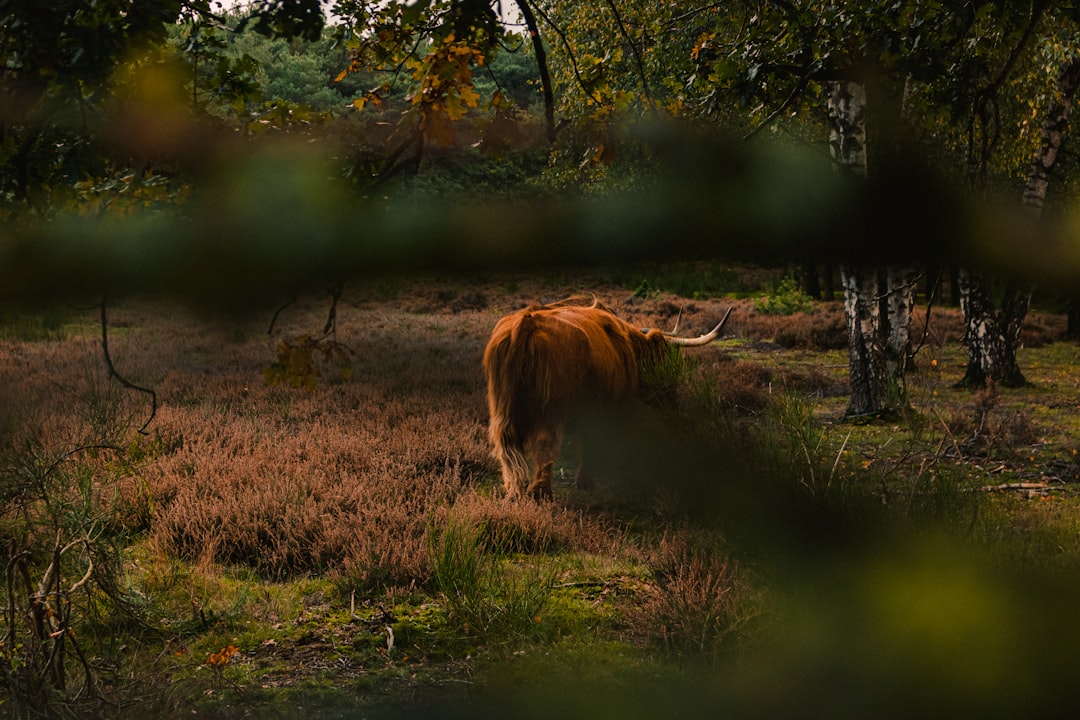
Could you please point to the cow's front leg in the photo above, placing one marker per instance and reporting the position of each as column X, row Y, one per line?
column 546, row 446
column 540, row 489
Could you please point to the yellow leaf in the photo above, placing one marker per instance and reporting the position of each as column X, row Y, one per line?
column 469, row 96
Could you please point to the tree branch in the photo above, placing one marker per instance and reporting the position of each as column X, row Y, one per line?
column 788, row 101
column 331, row 317
column 120, row 378
column 570, row 52
column 542, row 64
column 987, row 98
column 633, row 48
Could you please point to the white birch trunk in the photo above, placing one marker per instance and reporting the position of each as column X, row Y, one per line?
column 991, row 335
column 899, row 305
column 862, row 308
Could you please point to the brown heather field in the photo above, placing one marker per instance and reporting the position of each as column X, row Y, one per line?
column 299, row 524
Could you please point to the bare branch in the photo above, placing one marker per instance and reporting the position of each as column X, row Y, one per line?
column 120, row 378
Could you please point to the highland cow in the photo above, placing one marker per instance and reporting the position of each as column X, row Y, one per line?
column 546, row 365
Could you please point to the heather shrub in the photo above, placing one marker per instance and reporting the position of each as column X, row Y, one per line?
column 987, row 427
column 340, row 479
column 700, row 602
column 825, row 329
column 740, row 385
column 353, row 499
column 533, row 528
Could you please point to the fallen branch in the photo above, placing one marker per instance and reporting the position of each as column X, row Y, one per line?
column 1023, row 486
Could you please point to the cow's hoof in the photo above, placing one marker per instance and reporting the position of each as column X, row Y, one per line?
column 540, row 492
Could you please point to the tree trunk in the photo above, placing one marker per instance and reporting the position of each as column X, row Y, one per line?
column 808, row 275
column 1072, row 328
column 828, row 290
column 863, row 299
column 898, row 303
column 993, row 336
column 542, row 65
column 866, row 356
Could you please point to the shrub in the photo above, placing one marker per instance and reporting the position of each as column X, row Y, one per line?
column 700, row 603
column 786, row 298
column 61, row 548
column 985, row 427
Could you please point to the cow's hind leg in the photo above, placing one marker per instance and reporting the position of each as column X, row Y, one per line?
column 515, row 466
column 546, row 444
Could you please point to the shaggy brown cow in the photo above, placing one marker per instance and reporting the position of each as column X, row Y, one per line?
column 547, row 363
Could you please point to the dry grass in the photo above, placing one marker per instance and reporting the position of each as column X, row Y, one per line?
column 345, row 479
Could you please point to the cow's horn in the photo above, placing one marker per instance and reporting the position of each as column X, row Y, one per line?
column 704, row 339
column 675, row 330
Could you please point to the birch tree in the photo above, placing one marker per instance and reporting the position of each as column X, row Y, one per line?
column 878, row 300
column 847, row 146
column 992, row 330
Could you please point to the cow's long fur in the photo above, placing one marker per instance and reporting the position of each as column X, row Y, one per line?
column 546, row 363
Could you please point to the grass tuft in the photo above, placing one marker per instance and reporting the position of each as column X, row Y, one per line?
column 493, row 593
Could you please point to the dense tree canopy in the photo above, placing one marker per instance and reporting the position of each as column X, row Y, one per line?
column 124, row 106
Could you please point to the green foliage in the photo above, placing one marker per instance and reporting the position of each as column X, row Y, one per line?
column 297, row 71
column 645, row 291
column 513, row 73
column 493, row 594
column 55, row 60
column 786, row 298
column 697, row 280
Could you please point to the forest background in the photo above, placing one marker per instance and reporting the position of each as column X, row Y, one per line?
column 180, row 162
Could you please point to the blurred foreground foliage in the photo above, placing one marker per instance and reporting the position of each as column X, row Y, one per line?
column 276, row 218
